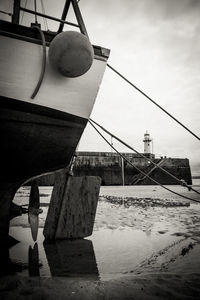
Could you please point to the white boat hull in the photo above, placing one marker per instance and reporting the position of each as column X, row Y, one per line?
column 20, row 63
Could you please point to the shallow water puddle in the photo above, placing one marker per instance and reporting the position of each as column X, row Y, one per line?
column 125, row 240
column 106, row 254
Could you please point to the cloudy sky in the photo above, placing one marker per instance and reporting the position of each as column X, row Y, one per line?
column 156, row 45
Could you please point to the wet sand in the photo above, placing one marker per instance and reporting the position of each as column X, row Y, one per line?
column 135, row 252
column 151, row 286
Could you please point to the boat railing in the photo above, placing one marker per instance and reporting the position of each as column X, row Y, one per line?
column 17, row 8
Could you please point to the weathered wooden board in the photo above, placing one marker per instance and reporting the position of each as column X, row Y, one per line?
column 78, row 209
column 73, row 207
column 51, row 222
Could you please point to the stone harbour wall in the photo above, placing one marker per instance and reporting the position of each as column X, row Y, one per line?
column 110, row 167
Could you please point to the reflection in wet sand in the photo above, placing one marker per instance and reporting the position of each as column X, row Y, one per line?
column 8, row 266
column 63, row 258
column 71, row 258
column 33, row 261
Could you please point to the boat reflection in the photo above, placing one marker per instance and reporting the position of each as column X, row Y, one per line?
column 72, row 258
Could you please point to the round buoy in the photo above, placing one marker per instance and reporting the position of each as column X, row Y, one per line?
column 71, row 53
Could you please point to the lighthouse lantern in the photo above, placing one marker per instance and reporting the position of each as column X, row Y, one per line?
column 147, row 143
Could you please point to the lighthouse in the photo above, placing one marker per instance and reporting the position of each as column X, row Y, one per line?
column 147, row 143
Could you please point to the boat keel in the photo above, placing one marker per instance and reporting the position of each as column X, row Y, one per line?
column 7, row 194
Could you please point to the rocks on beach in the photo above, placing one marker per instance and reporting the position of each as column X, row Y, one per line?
column 144, row 202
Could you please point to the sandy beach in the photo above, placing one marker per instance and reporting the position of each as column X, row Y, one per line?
column 135, row 252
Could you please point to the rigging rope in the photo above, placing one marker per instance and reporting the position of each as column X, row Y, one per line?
column 128, row 161
column 125, row 144
column 23, row 11
column 43, row 63
column 145, row 95
column 44, row 19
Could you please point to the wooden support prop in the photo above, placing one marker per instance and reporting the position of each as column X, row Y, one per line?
column 52, row 218
column 73, row 207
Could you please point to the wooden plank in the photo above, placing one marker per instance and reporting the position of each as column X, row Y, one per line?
column 77, row 213
column 51, row 222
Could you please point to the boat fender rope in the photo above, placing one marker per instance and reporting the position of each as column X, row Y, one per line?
column 43, row 63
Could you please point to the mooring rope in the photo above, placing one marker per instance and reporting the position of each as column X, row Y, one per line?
column 154, row 102
column 128, row 161
column 43, row 63
column 125, row 144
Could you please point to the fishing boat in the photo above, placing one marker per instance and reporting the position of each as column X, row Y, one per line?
column 48, row 85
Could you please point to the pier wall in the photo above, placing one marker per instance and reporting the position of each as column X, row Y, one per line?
column 109, row 167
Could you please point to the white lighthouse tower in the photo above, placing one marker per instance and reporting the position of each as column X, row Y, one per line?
column 147, row 143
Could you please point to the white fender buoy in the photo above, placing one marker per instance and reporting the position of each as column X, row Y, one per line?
column 71, row 53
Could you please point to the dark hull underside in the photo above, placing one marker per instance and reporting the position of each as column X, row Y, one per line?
column 34, row 140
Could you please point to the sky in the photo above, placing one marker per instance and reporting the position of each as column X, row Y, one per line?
column 156, row 45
